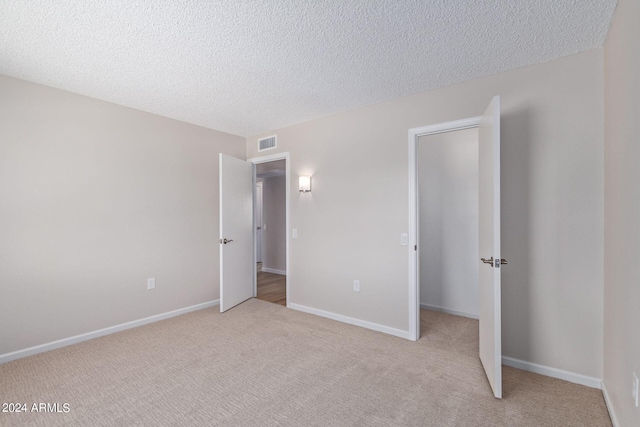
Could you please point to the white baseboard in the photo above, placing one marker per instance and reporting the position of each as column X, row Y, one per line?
column 350, row 320
column 7, row 357
column 612, row 412
column 552, row 372
column 449, row 311
column 274, row 271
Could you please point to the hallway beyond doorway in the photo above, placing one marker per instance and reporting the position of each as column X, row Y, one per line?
column 271, row 287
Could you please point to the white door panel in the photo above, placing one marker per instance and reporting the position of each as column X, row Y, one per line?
column 236, row 229
column 490, row 266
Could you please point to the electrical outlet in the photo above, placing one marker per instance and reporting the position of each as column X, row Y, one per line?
column 634, row 390
column 151, row 283
column 356, row 286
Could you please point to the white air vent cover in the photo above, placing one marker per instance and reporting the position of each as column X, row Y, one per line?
column 267, row 143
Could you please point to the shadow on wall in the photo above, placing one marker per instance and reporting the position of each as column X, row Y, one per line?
column 516, row 227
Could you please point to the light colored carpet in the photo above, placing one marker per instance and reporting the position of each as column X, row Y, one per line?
column 261, row 364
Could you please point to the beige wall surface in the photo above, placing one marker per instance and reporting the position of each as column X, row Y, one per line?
column 274, row 255
column 448, row 193
column 622, row 210
column 94, row 199
column 552, row 207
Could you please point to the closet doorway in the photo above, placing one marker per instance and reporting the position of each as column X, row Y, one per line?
column 448, row 223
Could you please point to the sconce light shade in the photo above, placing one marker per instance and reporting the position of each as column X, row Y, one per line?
column 304, row 183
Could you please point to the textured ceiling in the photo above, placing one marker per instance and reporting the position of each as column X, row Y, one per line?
column 246, row 67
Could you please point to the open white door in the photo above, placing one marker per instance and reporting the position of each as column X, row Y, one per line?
column 259, row 222
column 236, row 232
column 490, row 267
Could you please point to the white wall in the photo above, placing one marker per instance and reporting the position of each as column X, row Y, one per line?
column 94, row 199
column 448, row 193
column 274, row 255
column 552, row 207
column 622, row 211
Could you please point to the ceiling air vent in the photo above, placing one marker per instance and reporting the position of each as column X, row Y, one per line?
column 267, row 143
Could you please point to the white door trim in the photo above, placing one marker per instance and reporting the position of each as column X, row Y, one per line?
column 414, row 276
column 264, row 159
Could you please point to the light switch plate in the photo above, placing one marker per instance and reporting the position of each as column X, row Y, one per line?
column 151, row 283
column 294, row 233
column 356, row 286
column 404, row 239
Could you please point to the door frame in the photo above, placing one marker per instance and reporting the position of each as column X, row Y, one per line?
column 414, row 214
column 265, row 159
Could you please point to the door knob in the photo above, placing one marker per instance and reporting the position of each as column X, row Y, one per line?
column 225, row 241
column 487, row 261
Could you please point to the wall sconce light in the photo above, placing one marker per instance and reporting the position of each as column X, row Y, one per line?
column 304, row 182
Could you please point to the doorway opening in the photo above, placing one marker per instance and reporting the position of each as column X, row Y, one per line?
column 416, row 135
column 448, row 222
column 448, row 226
column 271, row 231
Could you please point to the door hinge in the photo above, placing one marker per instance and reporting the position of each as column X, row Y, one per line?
column 415, row 247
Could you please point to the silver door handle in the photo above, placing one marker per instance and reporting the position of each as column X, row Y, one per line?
column 487, row 261
column 225, row 241
column 498, row 262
